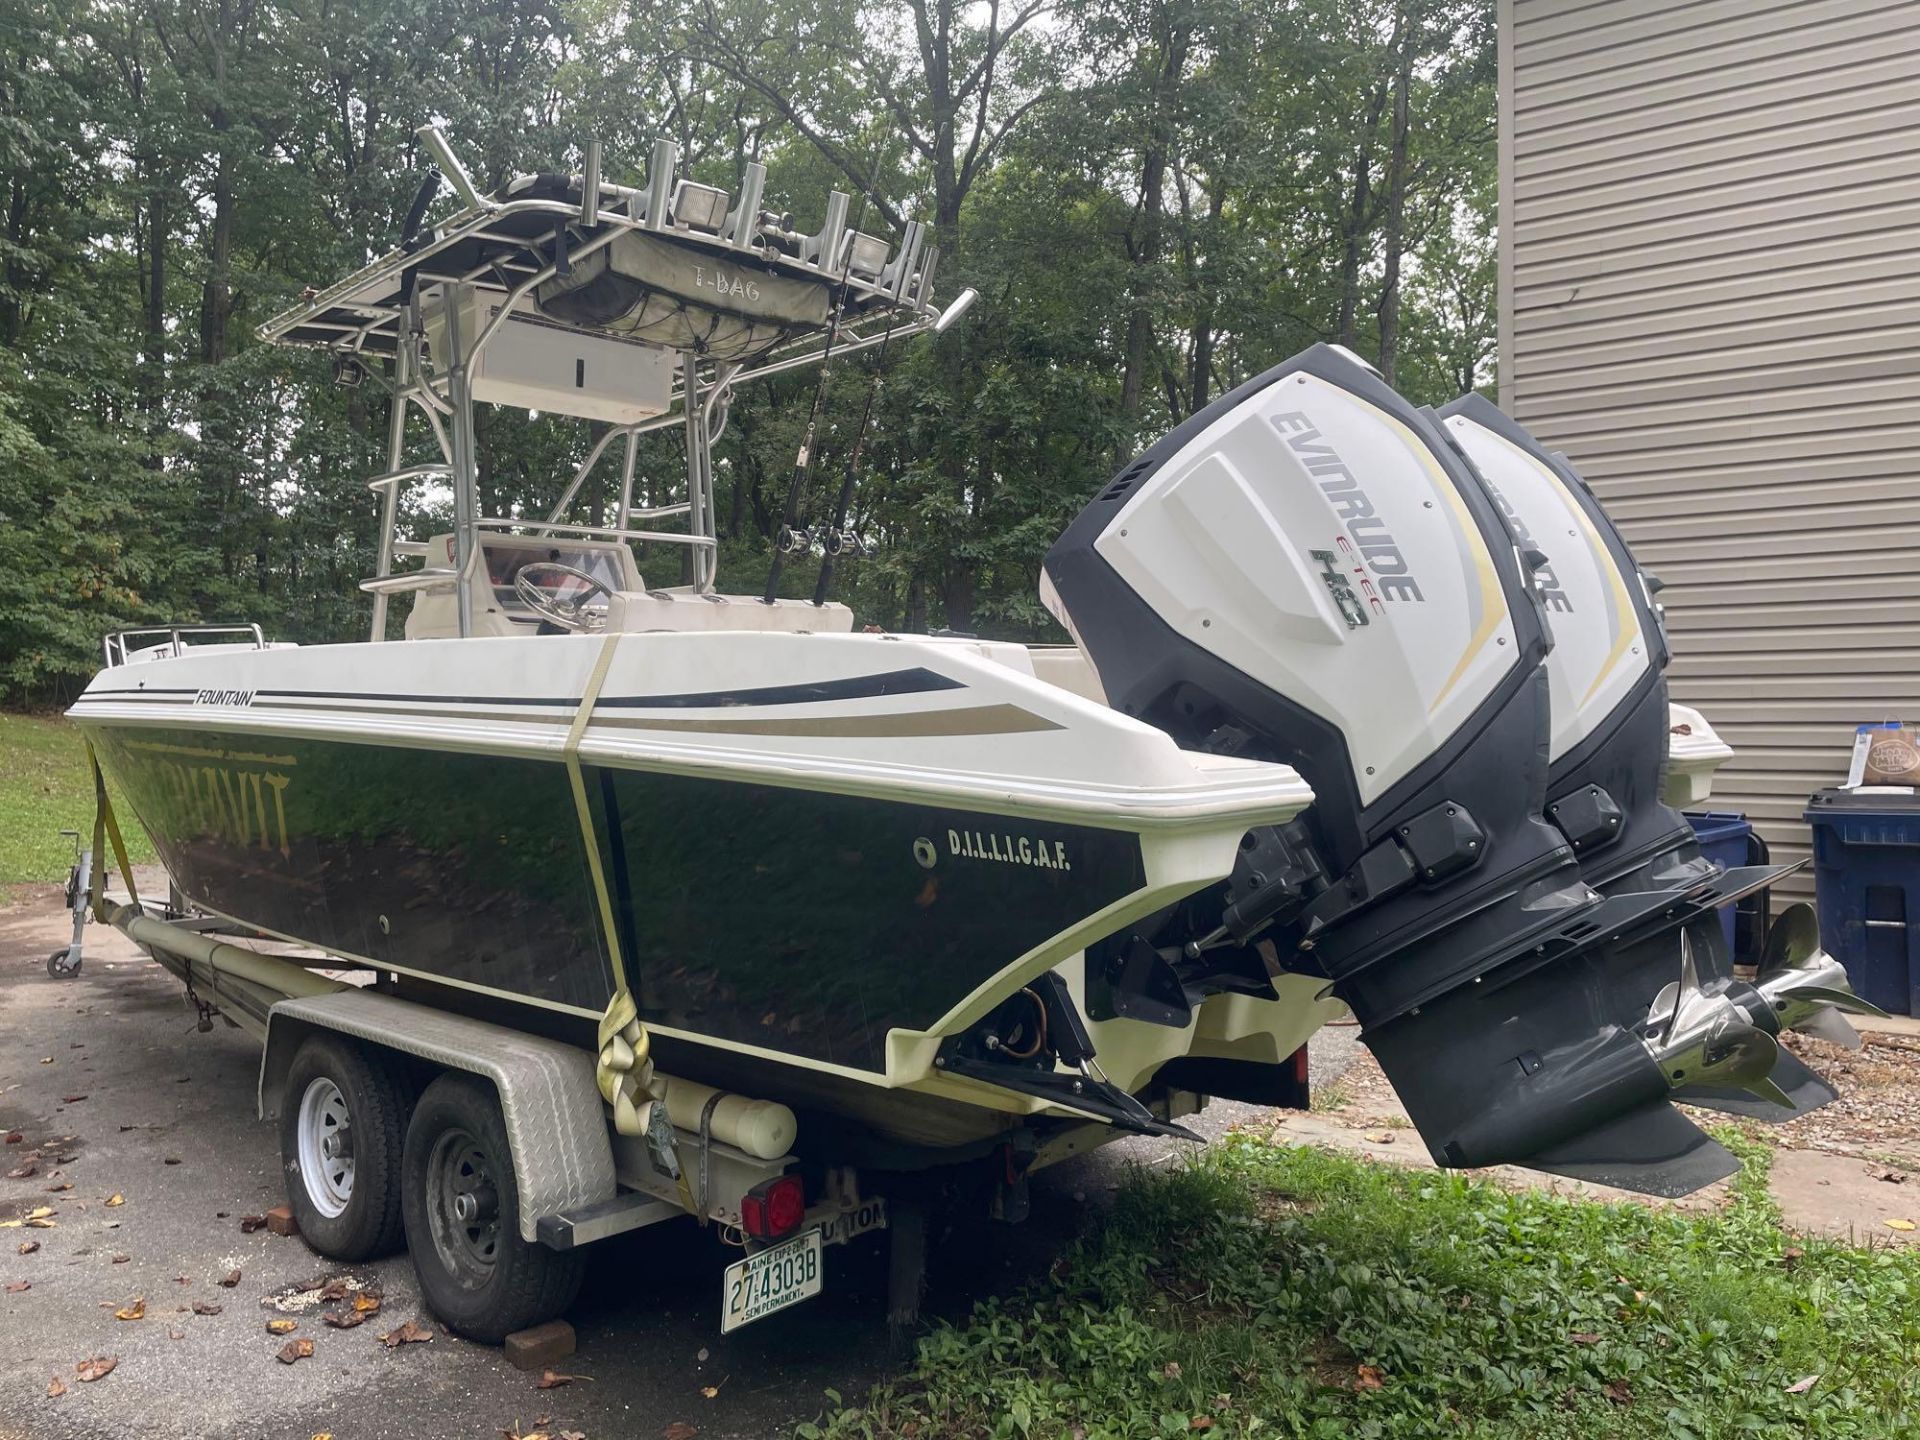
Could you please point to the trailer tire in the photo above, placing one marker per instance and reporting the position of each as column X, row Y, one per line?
column 335, row 1088
column 463, row 1219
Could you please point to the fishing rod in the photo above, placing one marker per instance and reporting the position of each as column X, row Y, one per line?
column 835, row 540
column 791, row 540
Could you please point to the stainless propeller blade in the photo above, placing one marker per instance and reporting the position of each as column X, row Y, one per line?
column 1807, row 988
column 1707, row 1040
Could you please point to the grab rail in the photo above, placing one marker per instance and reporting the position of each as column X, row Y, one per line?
column 117, row 652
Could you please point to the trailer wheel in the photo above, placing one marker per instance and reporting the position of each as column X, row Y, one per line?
column 342, row 1123
column 463, row 1219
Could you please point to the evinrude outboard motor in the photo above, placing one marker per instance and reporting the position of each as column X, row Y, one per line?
column 1607, row 757
column 1308, row 571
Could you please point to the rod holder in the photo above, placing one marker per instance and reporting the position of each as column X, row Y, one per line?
column 590, row 186
column 660, row 167
column 450, row 166
column 743, row 226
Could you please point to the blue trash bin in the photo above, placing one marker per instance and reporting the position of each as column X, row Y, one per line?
column 1866, row 868
column 1724, row 837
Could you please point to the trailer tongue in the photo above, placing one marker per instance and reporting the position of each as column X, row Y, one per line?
column 1312, row 571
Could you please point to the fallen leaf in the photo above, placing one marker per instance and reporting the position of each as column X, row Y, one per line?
column 580, row 1434
column 366, row 1303
column 120, row 1259
column 1791, row 1256
column 23, row 1172
column 181, row 1280
column 135, row 1309
column 176, row 1334
column 408, row 1334
column 27, row 1247
column 61, row 1188
column 1618, row 1391
column 171, row 1160
column 1171, row 1370
column 711, row 1392
column 41, row 1212
column 282, row 1327
column 1200, row 1422
column 678, row 1430
column 97, row 1368
column 251, row 1223
column 334, row 1289
column 553, row 1380
column 1379, row 1137
column 1802, row 1385
column 1368, row 1377
column 1900, row 1224
column 116, row 1200
column 324, row 1435
column 71, row 1099
column 14, row 1137
column 47, row 1060
column 1584, row 1337
column 205, row 1307
column 343, row 1319
column 39, row 1222
column 230, row 1279
column 15, row 1287
column 296, row 1349
column 56, row 1387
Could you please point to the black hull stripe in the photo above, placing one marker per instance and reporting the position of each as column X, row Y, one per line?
column 917, row 681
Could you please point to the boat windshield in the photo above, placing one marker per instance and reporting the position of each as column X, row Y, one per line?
column 505, row 562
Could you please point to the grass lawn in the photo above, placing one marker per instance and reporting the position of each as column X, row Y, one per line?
column 1281, row 1292
column 45, row 788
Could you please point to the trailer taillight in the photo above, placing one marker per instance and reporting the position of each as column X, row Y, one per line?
column 774, row 1208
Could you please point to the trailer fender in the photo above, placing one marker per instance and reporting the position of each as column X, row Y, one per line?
column 556, row 1122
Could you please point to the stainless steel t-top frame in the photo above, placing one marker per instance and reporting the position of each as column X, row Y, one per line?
column 508, row 245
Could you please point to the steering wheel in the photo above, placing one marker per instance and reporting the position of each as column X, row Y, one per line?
column 567, row 614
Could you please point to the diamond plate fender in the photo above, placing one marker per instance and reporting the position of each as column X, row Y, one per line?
column 556, row 1123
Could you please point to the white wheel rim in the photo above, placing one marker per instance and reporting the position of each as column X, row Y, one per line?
column 328, row 1178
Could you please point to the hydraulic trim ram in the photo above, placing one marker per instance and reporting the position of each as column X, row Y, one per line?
column 1312, row 571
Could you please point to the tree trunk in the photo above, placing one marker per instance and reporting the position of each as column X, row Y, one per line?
column 1358, row 220
column 1395, row 231
column 1147, row 240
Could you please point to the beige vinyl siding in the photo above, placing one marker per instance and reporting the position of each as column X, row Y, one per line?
column 1710, row 300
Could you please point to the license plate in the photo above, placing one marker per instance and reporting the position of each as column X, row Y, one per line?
column 771, row 1280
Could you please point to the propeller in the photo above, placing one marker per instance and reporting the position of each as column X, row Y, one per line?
column 1704, row 1039
column 1807, row 988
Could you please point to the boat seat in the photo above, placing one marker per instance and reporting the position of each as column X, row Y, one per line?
column 639, row 611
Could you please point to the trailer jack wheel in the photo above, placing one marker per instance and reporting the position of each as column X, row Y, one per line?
column 463, row 1219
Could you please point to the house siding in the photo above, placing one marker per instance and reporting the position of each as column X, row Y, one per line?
column 1710, row 300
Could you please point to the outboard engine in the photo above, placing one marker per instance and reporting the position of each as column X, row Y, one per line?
column 1608, row 751
column 1309, row 571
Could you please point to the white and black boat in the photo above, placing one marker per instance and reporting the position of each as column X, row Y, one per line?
column 856, row 871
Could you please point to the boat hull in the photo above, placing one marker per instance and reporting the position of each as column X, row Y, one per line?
column 717, row 851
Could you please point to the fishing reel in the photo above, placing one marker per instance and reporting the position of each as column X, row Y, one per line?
column 794, row 540
column 845, row 543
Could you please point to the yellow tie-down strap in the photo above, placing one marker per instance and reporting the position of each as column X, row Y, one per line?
column 106, row 829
